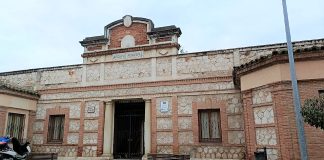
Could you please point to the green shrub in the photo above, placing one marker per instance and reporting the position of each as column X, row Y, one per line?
column 313, row 112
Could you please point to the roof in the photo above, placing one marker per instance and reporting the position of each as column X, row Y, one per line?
column 277, row 57
column 7, row 86
column 166, row 30
column 40, row 69
column 94, row 40
column 133, row 19
column 274, row 53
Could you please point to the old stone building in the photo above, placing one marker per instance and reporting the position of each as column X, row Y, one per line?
column 135, row 95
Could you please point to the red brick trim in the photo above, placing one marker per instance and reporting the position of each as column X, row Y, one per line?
column 139, row 85
column 80, row 144
column 56, row 111
column 175, row 128
column 31, row 120
column 3, row 115
column 138, row 48
column 250, row 138
column 100, row 128
column 153, row 126
column 210, row 104
column 42, row 145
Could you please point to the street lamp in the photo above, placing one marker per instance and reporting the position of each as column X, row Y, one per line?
column 299, row 119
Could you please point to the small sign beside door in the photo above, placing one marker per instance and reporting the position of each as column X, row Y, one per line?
column 91, row 109
column 164, row 106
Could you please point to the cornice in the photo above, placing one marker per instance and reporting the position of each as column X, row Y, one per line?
column 137, row 85
column 18, row 94
column 276, row 58
column 138, row 48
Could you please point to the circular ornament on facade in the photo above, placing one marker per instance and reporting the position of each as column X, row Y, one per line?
column 128, row 41
column 127, row 21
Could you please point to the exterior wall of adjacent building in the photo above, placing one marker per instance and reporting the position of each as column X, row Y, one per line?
column 10, row 103
column 269, row 110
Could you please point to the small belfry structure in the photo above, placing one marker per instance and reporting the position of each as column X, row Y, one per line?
column 135, row 97
column 128, row 35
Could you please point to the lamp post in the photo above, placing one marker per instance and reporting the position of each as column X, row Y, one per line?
column 299, row 119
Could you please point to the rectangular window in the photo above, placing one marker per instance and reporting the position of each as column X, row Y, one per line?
column 209, row 125
column 321, row 92
column 16, row 125
column 56, row 129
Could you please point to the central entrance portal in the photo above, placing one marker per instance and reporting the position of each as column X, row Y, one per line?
column 129, row 129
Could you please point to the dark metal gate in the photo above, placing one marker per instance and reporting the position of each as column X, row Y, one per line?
column 129, row 130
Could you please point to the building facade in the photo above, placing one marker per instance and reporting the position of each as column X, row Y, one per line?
column 17, row 111
column 135, row 96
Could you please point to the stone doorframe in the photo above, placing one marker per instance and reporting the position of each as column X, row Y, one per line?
column 109, row 128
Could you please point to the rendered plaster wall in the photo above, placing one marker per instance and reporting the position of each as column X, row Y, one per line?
column 305, row 70
column 17, row 102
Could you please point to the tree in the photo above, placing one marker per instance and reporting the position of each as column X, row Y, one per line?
column 313, row 112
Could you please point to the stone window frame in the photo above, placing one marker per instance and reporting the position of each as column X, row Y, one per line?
column 53, row 112
column 209, row 111
column 210, row 104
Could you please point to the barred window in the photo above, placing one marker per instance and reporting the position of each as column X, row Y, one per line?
column 56, row 128
column 209, row 125
column 16, row 125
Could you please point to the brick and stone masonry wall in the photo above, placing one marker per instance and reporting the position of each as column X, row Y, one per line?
column 25, row 80
column 260, row 122
column 270, row 121
column 34, row 80
column 82, row 132
column 176, row 131
column 3, row 114
column 137, row 30
column 286, row 119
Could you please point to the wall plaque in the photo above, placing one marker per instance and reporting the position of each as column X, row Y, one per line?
column 128, row 55
column 164, row 106
column 91, row 109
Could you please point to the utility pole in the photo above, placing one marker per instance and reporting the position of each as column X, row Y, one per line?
column 299, row 119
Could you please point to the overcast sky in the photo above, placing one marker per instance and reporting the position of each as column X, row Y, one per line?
column 45, row 33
